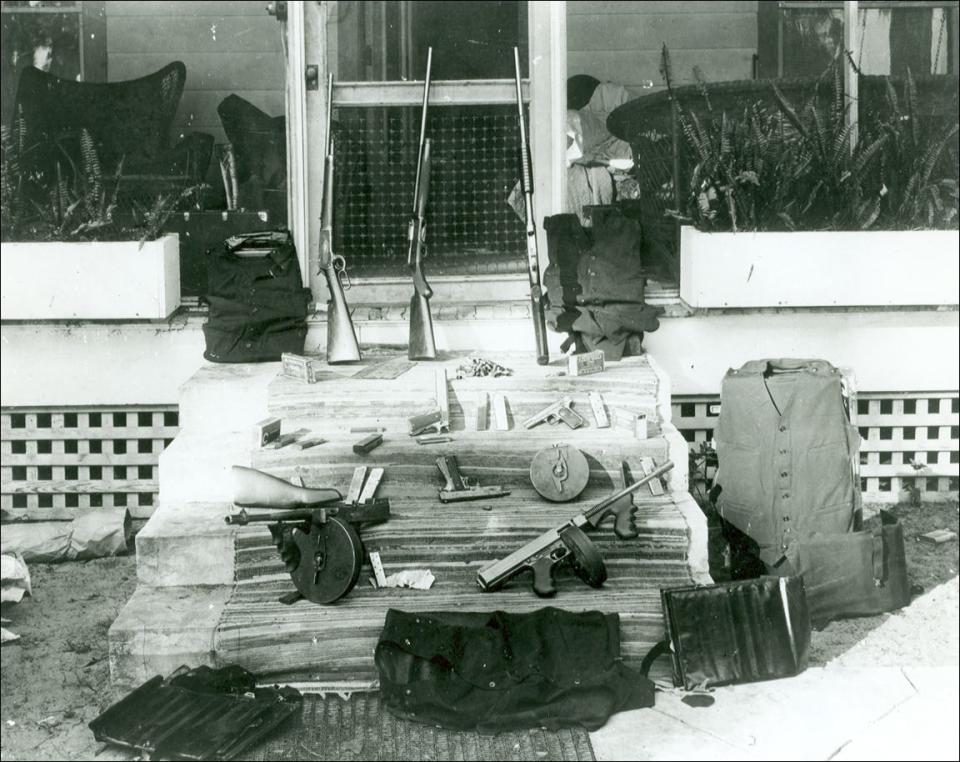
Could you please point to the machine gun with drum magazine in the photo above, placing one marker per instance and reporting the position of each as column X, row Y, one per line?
column 318, row 542
column 569, row 544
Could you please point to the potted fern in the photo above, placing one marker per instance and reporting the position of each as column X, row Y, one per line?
column 68, row 254
column 780, row 210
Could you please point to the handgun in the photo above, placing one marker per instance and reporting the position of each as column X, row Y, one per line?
column 458, row 488
column 561, row 410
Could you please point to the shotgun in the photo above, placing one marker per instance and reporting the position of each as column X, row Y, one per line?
column 422, row 345
column 533, row 257
column 342, row 343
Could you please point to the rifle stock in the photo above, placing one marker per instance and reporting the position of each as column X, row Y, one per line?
column 256, row 488
column 533, row 255
column 422, row 345
column 342, row 345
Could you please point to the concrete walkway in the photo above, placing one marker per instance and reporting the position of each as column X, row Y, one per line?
column 893, row 696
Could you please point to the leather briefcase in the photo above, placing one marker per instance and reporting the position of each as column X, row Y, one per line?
column 735, row 632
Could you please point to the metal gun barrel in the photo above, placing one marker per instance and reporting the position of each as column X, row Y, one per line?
column 243, row 518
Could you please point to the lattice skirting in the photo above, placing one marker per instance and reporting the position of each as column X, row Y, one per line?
column 910, row 441
column 75, row 458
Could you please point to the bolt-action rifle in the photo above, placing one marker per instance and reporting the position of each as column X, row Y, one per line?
column 318, row 543
column 422, row 345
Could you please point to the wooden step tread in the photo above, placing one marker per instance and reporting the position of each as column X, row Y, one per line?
column 331, row 643
column 337, row 396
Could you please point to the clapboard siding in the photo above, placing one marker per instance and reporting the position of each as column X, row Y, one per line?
column 207, row 71
column 621, row 41
column 646, row 7
column 634, row 68
column 227, row 47
column 647, row 32
column 198, row 108
column 193, row 33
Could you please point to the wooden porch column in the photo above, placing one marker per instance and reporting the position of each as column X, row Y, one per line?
column 298, row 136
column 547, row 30
column 851, row 83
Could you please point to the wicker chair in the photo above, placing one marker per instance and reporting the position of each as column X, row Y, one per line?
column 129, row 121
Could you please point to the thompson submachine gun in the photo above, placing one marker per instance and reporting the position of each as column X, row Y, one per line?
column 422, row 345
column 533, row 257
column 319, row 546
column 568, row 543
column 342, row 343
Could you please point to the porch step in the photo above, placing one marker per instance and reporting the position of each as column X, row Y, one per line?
column 187, row 545
column 243, row 623
column 187, row 542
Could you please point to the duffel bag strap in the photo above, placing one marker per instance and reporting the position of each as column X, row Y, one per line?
column 660, row 649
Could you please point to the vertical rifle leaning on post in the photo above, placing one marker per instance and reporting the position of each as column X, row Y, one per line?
column 342, row 343
column 533, row 257
column 422, row 345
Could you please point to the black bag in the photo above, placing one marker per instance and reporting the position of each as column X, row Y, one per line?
column 494, row 671
column 258, row 304
column 853, row 574
column 737, row 632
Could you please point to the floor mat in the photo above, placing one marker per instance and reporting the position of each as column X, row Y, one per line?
column 360, row 729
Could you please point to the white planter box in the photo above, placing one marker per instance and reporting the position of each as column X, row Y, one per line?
column 819, row 269
column 111, row 280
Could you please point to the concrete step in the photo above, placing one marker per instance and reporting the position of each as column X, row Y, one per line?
column 196, row 465
column 208, row 591
column 242, row 622
column 162, row 628
column 225, row 396
column 187, row 542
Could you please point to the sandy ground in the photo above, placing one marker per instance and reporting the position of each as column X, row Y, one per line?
column 56, row 678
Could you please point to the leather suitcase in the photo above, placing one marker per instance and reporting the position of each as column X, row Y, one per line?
column 735, row 632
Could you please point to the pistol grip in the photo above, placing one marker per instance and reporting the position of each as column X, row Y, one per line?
column 448, row 467
column 624, row 523
column 543, row 577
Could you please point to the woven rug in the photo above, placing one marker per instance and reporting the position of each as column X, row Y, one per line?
column 360, row 729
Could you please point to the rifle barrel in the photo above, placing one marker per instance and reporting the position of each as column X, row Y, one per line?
column 423, row 127
column 329, row 119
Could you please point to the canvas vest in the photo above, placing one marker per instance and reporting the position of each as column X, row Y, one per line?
column 787, row 455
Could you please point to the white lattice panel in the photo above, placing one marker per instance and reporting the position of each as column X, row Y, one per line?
column 81, row 458
column 898, row 429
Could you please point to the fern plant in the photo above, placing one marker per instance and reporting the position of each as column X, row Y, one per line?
column 920, row 167
column 838, row 188
column 777, row 165
column 80, row 202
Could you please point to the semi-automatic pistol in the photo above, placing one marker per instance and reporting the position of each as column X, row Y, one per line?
column 561, row 410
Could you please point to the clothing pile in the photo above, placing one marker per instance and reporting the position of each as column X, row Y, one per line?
column 549, row 668
column 789, row 492
column 595, row 283
column 258, row 305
